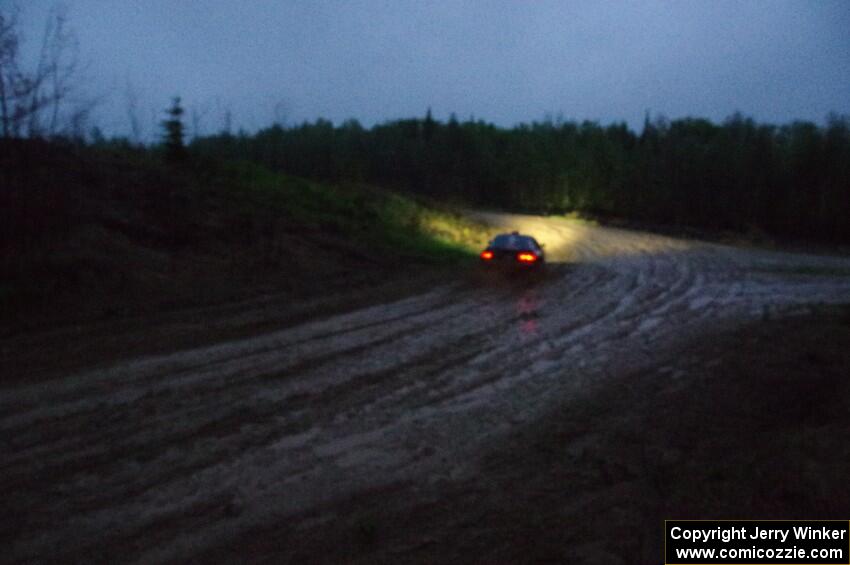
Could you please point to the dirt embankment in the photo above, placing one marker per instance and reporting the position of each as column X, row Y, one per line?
column 93, row 235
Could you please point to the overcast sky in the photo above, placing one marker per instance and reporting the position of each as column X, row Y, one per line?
column 503, row 62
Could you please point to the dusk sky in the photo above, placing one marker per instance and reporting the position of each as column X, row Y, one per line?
column 503, row 62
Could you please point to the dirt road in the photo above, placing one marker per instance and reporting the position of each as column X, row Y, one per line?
column 159, row 458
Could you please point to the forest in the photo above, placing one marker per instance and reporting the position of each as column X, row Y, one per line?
column 790, row 181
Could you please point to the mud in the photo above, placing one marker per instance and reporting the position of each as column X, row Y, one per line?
column 161, row 458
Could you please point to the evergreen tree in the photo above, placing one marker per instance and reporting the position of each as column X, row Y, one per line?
column 175, row 150
column 428, row 126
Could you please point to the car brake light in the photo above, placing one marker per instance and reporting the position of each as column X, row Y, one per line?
column 486, row 255
column 526, row 257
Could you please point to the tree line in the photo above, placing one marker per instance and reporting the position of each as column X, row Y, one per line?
column 789, row 180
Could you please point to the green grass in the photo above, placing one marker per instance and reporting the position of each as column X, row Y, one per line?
column 579, row 217
column 387, row 221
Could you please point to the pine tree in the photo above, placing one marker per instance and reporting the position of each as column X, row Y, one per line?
column 428, row 126
column 175, row 150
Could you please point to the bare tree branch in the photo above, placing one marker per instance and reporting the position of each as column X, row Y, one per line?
column 31, row 102
column 8, row 67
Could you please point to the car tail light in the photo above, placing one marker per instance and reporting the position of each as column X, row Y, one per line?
column 487, row 255
column 526, row 257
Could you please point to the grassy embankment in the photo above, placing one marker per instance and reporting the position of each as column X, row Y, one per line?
column 94, row 233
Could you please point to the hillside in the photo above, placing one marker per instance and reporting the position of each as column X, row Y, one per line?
column 98, row 233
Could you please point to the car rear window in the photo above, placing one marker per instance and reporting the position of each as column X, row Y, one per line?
column 511, row 241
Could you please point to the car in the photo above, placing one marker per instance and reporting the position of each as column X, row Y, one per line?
column 514, row 250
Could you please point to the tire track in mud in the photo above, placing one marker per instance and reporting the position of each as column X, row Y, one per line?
column 213, row 407
column 216, row 356
column 253, row 431
column 286, row 357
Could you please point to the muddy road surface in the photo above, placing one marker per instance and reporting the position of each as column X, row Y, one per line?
column 163, row 458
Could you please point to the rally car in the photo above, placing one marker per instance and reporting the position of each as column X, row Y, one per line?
column 514, row 250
